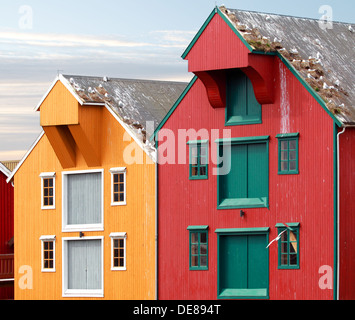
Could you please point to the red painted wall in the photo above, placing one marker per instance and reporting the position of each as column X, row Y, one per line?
column 347, row 217
column 306, row 198
column 6, row 225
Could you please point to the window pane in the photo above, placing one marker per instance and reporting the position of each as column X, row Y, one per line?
column 45, row 182
column 121, row 242
column 194, row 237
column 293, row 144
column 194, row 171
column 203, row 237
column 115, row 197
column 194, row 261
column 115, row 187
column 115, row 177
column 121, row 187
column 203, row 261
column 45, row 201
column 293, row 259
column 121, row 261
column 203, row 171
column 203, row 249
column 284, row 145
column 293, row 155
column 284, row 155
column 194, row 249
column 121, row 177
column 292, row 165
column 50, row 202
column 284, row 166
column 45, row 191
column 121, row 197
column 283, row 259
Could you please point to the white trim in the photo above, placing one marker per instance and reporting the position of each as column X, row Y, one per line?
column 114, row 171
column 47, row 239
column 47, row 175
column 98, row 293
column 5, row 170
column 115, row 236
column 130, row 131
column 81, row 227
column 25, row 157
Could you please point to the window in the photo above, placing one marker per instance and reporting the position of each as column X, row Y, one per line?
column 242, row 106
column 48, row 190
column 288, row 246
column 48, row 253
column 118, row 251
column 288, row 153
column 118, row 186
column 198, row 240
column 83, row 267
column 246, row 183
column 83, row 200
column 198, row 163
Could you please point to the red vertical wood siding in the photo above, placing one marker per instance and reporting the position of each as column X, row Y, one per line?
column 306, row 198
column 347, row 217
column 6, row 225
column 225, row 49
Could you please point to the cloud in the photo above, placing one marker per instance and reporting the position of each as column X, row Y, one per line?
column 64, row 40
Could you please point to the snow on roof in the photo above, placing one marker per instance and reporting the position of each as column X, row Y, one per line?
column 325, row 58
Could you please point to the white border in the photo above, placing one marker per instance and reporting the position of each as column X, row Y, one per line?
column 114, row 236
column 81, row 227
column 47, row 175
column 49, row 239
column 114, row 171
column 99, row 293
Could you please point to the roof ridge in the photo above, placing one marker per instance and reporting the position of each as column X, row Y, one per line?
column 285, row 15
column 123, row 79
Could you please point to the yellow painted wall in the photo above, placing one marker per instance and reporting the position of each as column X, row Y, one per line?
column 137, row 218
column 59, row 107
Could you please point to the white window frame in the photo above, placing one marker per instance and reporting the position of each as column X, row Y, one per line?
column 114, row 171
column 47, row 239
column 80, row 293
column 80, row 227
column 116, row 236
column 47, row 175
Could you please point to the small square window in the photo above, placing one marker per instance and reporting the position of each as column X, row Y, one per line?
column 198, row 162
column 288, row 153
column 48, row 190
column 198, row 247
column 118, row 186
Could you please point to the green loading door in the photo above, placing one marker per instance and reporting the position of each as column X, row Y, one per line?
column 243, row 269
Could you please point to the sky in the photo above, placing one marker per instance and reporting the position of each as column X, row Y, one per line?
column 136, row 39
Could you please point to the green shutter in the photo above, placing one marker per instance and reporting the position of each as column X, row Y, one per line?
column 246, row 185
column 243, row 261
column 242, row 106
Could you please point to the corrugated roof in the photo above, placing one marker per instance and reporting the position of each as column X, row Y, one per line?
column 325, row 58
column 135, row 101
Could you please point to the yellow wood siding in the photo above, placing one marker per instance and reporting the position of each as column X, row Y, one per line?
column 59, row 107
column 136, row 218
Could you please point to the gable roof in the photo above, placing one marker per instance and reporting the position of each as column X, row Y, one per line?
column 323, row 60
column 138, row 105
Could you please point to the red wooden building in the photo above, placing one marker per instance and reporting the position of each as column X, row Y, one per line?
column 6, row 235
column 256, row 163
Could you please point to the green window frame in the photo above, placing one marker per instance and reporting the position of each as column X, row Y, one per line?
column 288, row 153
column 242, row 107
column 198, row 159
column 246, row 185
column 198, row 247
column 288, row 246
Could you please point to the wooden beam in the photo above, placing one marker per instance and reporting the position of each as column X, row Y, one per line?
column 63, row 144
column 91, row 156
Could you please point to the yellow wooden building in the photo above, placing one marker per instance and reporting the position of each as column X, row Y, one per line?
column 85, row 223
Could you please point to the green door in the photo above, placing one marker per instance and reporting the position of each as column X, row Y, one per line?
column 243, row 266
